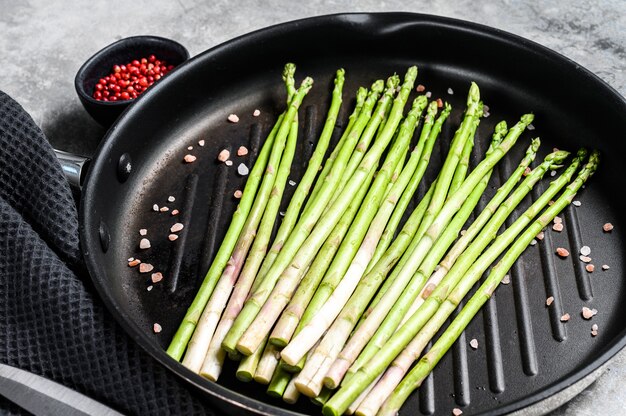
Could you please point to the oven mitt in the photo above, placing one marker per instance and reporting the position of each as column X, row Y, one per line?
column 52, row 322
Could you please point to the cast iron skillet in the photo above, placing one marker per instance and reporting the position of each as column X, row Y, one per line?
column 526, row 354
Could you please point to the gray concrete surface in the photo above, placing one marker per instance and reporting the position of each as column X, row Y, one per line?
column 44, row 42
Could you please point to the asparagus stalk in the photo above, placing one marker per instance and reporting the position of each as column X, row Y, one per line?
column 384, row 389
column 267, row 364
column 342, row 271
column 368, row 372
column 461, row 168
column 288, row 322
column 346, row 250
column 291, row 393
column 342, row 327
column 415, row 378
column 188, row 325
column 361, row 95
column 279, row 382
column 266, row 204
column 376, row 121
column 315, row 328
column 248, row 365
column 289, row 319
column 301, row 230
column 302, row 257
column 407, row 195
column 404, row 282
column 214, row 359
column 304, row 186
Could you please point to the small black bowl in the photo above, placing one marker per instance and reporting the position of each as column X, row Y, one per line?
column 121, row 52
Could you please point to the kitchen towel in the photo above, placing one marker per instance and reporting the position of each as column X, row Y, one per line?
column 52, row 322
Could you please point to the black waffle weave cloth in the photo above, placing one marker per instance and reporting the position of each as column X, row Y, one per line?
column 52, row 322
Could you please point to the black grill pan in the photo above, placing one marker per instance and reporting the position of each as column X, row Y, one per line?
column 526, row 354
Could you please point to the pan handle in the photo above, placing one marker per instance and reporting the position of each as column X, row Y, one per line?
column 74, row 167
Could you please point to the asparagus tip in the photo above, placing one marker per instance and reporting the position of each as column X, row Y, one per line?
column 420, row 102
column 378, row 86
column 289, row 71
column 501, row 128
column 361, row 94
column 557, row 157
column 393, row 81
column 527, row 119
column 473, row 95
column 534, row 146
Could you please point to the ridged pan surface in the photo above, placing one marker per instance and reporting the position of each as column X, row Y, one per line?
column 525, row 352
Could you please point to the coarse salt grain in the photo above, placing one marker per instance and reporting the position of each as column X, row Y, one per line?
column 558, row 220
column 172, row 237
column 171, row 199
column 134, row 263
column 155, row 207
column 256, row 113
column 588, row 313
column 420, row 88
column 145, row 268
column 428, row 94
column 585, row 250
column 143, row 231
column 242, row 151
column 576, row 203
column 189, row 147
column 176, row 227
column 590, row 268
column 242, row 169
column 585, row 259
column 565, row 317
column 439, row 102
column 238, row 194
column 594, row 327
column 531, row 127
column 144, row 243
column 540, row 236
column 457, row 412
column 201, row 143
column 549, row 300
column 605, row 267
column 149, row 288
column 157, row 277
column 223, row 155
column 533, row 242
column 506, row 279
column 558, row 227
column 189, row 158
column 450, row 91
column 562, row 252
column 292, row 183
column 157, row 328
column 594, row 333
column 527, row 171
column 175, row 212
column 131, row 259
column 233, row 118
column 608, row 227
column 164, row 209
column 474, row 343
column 228, row 163
column 553, row 173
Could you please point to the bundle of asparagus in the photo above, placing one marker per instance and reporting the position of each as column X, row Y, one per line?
column 346, row 297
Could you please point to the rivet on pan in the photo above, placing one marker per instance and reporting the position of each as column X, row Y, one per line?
column 105, row 237
column 124, row 167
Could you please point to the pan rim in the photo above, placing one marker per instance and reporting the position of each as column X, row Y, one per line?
column 89, row 239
